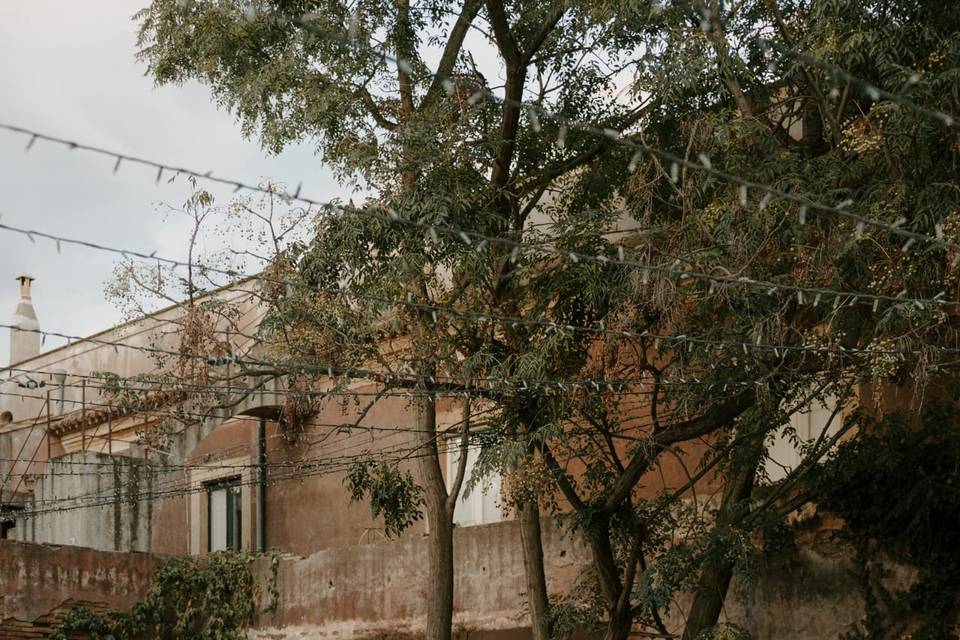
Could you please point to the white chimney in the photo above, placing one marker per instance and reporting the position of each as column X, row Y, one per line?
column 25, row 336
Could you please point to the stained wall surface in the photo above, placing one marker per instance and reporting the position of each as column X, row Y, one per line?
column 377, row 590
column 36, row 579
column 90, row 499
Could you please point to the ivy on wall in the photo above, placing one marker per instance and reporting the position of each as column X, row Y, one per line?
column 211, row 598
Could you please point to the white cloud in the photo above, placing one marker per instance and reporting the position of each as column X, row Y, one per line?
column 68, row 69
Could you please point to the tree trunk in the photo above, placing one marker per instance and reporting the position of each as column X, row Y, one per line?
column 440, row 580
column 715, row 578
column 618, row 627
column 439, row 590
column 709, row 597
column 605, row 564
column 537, row 598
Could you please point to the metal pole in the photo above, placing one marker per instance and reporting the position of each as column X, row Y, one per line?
column 83, row 415
column 109, row 430
column 48, row 425
column 261, row 485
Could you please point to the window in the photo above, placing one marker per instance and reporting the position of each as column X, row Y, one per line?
column 785, row 452
column 224, row 515
column 481, row 506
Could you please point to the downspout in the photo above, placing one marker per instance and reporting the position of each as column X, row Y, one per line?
column 261, row 493
column 60, row 378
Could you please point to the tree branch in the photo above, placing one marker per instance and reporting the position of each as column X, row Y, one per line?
column 403, row 34
column 451, row 51
column 513, row 94
column 374, row 109
column 454, row 492
column 712, row 419
column 566, row 487
column 560, row 169
column 501, row 32
column 360, row 92
column 538, row 39
column 719, row 43
column 810, row 81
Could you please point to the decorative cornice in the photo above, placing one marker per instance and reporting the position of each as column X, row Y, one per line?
column 80, row 420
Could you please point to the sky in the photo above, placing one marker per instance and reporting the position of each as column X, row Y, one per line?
column 68, row 69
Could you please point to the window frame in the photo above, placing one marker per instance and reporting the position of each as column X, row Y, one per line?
column 233, row 512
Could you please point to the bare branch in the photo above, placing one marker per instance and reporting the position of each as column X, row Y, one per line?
column 712, row 419
column 454, row 492
column 451, row 51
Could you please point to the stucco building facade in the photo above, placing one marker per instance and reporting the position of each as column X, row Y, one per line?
column 75, row 458
column 77, row 471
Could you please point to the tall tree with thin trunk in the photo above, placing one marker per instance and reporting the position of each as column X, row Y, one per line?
column 440, row 143
column 647, row 305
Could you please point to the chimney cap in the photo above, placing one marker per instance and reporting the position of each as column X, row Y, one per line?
column 25, row 280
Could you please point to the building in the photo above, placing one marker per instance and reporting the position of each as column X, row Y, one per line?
column 74, row 456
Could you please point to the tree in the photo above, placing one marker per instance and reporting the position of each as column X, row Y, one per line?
column 729, row 359
column 469, row 191
column 432, row 152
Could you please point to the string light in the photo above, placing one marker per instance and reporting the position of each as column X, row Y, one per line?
column 375, row 213
column 704, row 164
column 331, row 462
column 300, row 472
column 620, row 137
column 504, row 319
column 872, row 91
column 622, row 386
column 471, row 384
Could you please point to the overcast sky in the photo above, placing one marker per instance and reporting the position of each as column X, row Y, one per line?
column 68, row 69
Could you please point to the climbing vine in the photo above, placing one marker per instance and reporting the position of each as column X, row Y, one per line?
column 213, row 598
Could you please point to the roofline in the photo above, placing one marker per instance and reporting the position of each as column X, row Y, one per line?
column 152, row 315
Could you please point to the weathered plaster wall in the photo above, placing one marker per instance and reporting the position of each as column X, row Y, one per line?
column 813, row 595
column 377, row 590
column 37, row 578
column 310, row 510
column 92, row 500
column 169, row 534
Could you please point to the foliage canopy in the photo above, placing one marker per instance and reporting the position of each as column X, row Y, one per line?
column 716, row 365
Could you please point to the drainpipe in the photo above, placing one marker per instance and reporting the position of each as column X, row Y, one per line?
column 261, row 492
column 60, row 378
